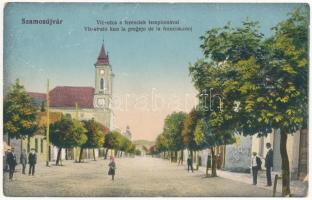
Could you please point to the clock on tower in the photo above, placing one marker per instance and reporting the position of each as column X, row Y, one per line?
column 103, row 75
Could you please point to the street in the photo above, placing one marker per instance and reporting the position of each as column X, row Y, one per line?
column 140, row 176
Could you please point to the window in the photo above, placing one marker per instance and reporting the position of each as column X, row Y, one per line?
column 41, row 146
column 102, row 84
column 36, row 145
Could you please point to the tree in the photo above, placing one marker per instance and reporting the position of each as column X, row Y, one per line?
column 210, row 133
column 19, row 116
column 131, row 149
column 161, row 144
column 188, row 132
column 67, row 133
column 95, row 137
column 285, row 99
column 112, row 141
column 263, row 82
column 126, row 144
column 173, row 131
column 137, row 152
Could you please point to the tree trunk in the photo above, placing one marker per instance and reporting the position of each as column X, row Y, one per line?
column 80, row 155
column 213, row 164
column 176, row 156
column 94, row 154
column 58, row 156
column 182, row 156
column 285, row 165
column 28, row 143
column 197, row 160
column 66, row 154
column 106, row 152
column 192, row 157
column 21, row 144
column 207, row 165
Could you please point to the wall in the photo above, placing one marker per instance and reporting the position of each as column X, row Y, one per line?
column 238, row 155
column 293, row 148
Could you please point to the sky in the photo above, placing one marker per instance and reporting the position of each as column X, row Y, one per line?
column 151, row 68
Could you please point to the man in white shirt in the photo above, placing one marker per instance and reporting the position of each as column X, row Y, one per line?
column 255, row 166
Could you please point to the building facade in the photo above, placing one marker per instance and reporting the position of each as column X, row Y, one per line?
column 85, row 103
column 297, row 150
column 82, row 103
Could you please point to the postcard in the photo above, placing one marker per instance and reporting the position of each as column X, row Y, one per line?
column 155, row 99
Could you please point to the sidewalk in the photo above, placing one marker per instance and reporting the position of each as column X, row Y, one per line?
column 297, row 188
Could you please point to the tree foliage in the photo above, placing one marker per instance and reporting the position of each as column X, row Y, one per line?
column 262, row 81
column 94, row 134
column 189, row 125
column 113, row 140
column 173, row 130
column 67, row 133
column 19, row 116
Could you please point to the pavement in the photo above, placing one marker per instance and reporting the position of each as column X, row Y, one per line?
column 297, row 188
column 140, row 176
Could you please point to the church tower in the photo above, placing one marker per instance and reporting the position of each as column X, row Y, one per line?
column 103, row 88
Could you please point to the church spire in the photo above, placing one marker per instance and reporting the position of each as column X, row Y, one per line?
column 103, row 57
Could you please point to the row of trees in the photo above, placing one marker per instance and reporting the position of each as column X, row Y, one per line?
column 248, row 84
column 190, row 130
column 20, row 122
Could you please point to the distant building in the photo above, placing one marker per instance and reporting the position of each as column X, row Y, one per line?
column 127, row 133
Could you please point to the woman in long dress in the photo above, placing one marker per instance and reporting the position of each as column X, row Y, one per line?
column 112, row 167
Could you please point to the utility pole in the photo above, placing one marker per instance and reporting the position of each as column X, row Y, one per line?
column 48, row 124
column 76, row 150
column 77, row 111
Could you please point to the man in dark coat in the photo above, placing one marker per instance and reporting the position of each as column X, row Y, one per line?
column 23, row 160
column 11, row 161
column 269, row 163
column 32, row 160
column 189, row 164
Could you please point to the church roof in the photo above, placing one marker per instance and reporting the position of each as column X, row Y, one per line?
column 103, row 57
column 65, row 96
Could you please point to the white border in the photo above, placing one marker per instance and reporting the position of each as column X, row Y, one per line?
column 2, row 4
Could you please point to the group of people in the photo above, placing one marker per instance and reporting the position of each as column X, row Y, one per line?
column 11, row 161
column 256, row 165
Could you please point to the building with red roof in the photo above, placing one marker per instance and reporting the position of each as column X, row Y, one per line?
column 84, row 102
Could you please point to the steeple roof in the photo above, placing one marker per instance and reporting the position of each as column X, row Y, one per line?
column 103, row 57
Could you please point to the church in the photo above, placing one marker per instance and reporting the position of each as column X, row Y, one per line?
column 82, row 103
column 88, row 102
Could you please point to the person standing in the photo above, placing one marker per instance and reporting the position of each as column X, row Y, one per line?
column 23, row 160
column 189, row 164
column 32, row 160
column 255, row 166
column 269, row 163
column 180, row 160
column 112, row 167
column 11, row 161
